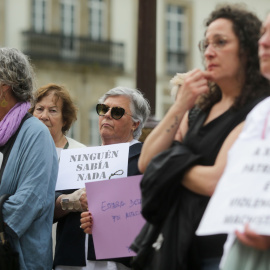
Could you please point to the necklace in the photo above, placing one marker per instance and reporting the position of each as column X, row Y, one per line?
column 61, row 142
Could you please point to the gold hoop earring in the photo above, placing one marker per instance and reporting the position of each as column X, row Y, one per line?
column 3, row 103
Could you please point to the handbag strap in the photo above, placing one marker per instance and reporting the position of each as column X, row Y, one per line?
column 3, row 198
column 6, row 149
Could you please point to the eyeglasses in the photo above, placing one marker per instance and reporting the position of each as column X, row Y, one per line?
column 218, row 43
column 116, row 112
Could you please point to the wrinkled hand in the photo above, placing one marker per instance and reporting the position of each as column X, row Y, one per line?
column 75, row 202
column 86, row 222
column 252, row 239
column 83, row 201
column 194, row 85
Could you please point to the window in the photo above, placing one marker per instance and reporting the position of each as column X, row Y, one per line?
column 39, row 15
column 68, row 27
column 96, row 19
column 176, row 41
column 68, row 17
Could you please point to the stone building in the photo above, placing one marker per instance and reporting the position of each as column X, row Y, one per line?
column 90, row 46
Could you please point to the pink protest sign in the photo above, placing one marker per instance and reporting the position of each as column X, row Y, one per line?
column 116, row 208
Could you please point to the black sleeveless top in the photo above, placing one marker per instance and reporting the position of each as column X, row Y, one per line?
column 206, row 140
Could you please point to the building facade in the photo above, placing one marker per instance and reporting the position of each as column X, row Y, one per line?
column 90, row 46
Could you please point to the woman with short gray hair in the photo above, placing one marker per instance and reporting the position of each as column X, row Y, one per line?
column 28, row 169
column 17, row 72
column 139, row 106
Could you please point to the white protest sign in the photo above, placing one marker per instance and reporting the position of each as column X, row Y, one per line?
column 243, row 193
column 81, row 165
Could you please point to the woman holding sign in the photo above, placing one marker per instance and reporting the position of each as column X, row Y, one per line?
column 252, row 249
column 53, row 106
column 228, row 88
column 250, row 238
column 122, row 114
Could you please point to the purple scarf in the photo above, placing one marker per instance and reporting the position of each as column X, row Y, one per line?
column 12, row 120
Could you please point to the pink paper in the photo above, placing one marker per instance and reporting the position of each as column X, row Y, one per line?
column 116, row 209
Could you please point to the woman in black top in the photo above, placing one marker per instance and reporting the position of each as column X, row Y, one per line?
column 224, row 93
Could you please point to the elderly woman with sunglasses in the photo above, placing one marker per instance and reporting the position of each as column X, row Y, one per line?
column 228, row 89
column 122, row 114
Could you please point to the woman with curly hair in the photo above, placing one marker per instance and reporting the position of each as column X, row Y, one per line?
column 229, row 87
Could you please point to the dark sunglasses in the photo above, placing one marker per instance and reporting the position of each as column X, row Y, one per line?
column 116, row 112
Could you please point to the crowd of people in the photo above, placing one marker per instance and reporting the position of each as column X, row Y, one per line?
column 208, row 115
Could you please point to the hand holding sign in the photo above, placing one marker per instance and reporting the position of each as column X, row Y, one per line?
column 116, row 209
column 86, row 222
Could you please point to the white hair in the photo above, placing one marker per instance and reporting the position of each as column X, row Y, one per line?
column 139, row 106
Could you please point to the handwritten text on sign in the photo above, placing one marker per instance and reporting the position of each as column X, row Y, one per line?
column 80, row 165
column 243, row 193
column 116, row 209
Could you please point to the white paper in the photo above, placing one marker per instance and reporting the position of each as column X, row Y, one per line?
column 242, row 195
column 81, row 165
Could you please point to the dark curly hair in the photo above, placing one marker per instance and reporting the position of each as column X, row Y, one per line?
column 246, row 27
column 69, row 110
